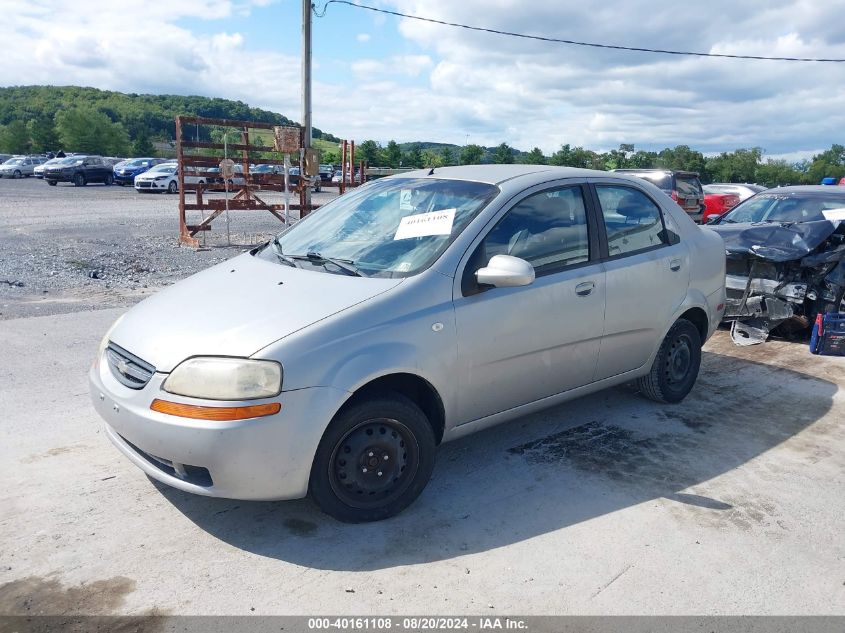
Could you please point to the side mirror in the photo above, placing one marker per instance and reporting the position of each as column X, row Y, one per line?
column 506, row 271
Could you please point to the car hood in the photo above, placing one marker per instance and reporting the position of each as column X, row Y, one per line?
column 235, row 309
column 772, row 241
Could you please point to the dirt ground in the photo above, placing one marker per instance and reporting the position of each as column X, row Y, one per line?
column 728, row 503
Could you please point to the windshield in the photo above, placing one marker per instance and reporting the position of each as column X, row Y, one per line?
column 70, row 160
column 387, row 228
column 136, row 163
column 167, row 169
column 785, row 207
column 14, row 161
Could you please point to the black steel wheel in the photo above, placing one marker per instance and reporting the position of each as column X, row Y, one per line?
column 108, row 180
column 79, row 180
column 675, row 368
column 374, row 460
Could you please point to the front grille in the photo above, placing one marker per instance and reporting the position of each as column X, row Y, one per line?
column 129, row 370
column 196, row 475
column 142, row 183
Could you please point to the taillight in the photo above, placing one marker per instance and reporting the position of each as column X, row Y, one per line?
column 674, row 195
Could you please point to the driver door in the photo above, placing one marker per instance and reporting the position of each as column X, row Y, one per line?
column 518, row 345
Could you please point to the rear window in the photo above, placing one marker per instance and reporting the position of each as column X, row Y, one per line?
column 688, row 186
column 661, row 180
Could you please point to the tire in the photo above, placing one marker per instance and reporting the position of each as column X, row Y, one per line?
column 172, row 187
column 108, row 180
column 384, row 436
column 79, row 180
column 17, row 174
column 52, row 183
column 676, row 365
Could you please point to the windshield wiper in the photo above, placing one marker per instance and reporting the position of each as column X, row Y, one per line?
column 345, row 265
column 279, row 254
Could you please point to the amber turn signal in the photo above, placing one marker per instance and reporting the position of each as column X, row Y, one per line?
column 215, row 414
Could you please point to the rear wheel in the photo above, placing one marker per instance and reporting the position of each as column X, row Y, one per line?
column 676, row 365
column 52, row 183
column 79, row 180
column 374, row 460
column 108, row 180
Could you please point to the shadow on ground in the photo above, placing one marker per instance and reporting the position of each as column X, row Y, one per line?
column 544, row 472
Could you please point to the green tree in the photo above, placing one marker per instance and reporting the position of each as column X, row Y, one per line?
column 682, row 158
column 142, row 146
column 774, row 173
column 503, row 154
column 329, row 157
column 447, row 156
column 14, row 138
column 828, row 163
column 413, row 157
column 431, row 158
column 86, row 130
column 370, row 152
column 737, row 166
column 392, row 154
column 42, row 133
column 534, row 157
column 471, row 154
column 568, row 156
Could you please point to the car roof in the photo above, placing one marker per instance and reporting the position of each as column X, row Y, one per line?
column 835, row 190
column 497, row 174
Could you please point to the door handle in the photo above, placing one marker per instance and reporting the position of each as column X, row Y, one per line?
column 675, row 264
column 584, row 288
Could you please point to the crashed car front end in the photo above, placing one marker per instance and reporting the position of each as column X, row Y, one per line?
column 782, row 273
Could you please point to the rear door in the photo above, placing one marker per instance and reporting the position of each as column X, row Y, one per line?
column 647, row 275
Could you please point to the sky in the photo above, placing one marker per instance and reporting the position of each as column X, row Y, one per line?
column 381, row 77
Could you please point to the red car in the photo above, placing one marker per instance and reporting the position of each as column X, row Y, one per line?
column 716, row 204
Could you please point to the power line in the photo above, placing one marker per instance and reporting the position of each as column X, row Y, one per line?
column 571, row 42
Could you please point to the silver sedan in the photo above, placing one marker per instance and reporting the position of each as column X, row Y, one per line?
column 411, row 311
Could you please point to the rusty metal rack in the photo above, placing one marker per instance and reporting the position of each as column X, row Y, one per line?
column 204, row 155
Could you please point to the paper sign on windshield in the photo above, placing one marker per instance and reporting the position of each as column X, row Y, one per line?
column 834, row 214
column 425, row 224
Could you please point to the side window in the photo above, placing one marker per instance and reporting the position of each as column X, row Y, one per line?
column 633, row 221
column 547, row 229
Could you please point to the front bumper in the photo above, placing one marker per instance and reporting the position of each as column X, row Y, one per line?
column 124, row 179
column 58, row 176
column 266, row 458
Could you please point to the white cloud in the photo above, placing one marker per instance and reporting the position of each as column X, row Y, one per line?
column 443, row 83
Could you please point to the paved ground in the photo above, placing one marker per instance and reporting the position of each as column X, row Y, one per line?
column 730, row 503
column 67, row 248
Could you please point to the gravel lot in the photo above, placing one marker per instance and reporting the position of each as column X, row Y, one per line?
column 729, row 503
column 66, row 249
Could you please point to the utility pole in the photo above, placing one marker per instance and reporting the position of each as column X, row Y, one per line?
column 306, row 86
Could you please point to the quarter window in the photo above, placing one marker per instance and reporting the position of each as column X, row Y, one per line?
column 633, row 221
column 548, row 229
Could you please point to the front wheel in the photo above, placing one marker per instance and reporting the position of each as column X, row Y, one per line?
column 17, row 173
column 52, row 183
column 374, row 460
column 79, row 180
column 172, row 187
column 676, row 365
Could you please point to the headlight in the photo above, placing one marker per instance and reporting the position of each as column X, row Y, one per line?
column 161, row 178
column 225, row 379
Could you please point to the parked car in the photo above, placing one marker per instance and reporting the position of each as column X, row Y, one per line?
column 158, row 179
column 315, row 182
column 125, row 171
column 326, row 173
column 684, row 187
column 742, row 189
column 785, row 259
column 338, row 175
column 716, row 204
column 5, row 157
column 38, row 172
column 79, row 169
column 427, row 307
column 20, row 166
